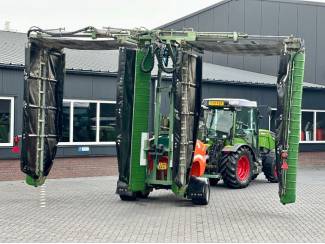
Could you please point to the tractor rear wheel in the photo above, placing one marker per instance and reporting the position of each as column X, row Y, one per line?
column 254, row 176
column 237, row 168
column 213, row 181
column 269, row 168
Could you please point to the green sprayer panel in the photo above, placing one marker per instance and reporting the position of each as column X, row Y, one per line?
column 140, row 124
column 295, row 116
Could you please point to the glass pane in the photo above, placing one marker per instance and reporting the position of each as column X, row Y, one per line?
column 307, row 126
column 320, row 125
column 246, row 125
column 84, row 122
column 107, row 122
column 66, row 122
column 4, row 121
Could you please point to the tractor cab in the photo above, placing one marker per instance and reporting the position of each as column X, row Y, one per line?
column 232, row 121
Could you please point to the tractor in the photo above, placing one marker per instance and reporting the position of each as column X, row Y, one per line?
column 238, row 151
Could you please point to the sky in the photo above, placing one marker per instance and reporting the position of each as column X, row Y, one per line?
column 74, row 14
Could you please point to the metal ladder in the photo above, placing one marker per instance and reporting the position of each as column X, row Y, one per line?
column 41, row 115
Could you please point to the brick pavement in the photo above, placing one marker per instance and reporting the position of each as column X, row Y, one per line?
column 87, row 210
column 65, row 168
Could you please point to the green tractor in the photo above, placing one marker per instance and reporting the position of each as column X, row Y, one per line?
column 238, row 151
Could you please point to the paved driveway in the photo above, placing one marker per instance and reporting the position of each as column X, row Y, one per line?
column 87, row 210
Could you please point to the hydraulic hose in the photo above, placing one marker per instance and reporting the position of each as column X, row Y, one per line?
column 159, row 52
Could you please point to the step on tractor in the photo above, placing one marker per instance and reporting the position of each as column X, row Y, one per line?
column 155, row 149
column 237, row 150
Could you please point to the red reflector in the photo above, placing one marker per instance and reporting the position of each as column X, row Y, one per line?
column 284, row 166
column 16, row 148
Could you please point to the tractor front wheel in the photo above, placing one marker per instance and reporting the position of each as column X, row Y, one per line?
column 237, row 168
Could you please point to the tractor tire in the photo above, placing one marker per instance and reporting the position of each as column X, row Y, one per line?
column 213, row 181
column 143, row 195
column 269, row 168
column 254, row 176
column 133, row 197
column 237, row 168
column 203, row 200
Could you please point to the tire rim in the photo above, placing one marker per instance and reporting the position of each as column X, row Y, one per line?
column 243, row 168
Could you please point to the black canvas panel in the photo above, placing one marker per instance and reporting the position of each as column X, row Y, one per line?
column 124, row 111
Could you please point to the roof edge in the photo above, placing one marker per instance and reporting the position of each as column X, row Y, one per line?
column 300, row 2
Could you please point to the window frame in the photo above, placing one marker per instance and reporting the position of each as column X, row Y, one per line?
column 12, row 122
column 97, row 142
column 314, row 111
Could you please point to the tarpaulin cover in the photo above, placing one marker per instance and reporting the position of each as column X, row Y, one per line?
column 80, row 44
column 187, row 85
column 52, row 74
column 281, row 120
column 124, row 112
column 250, row 46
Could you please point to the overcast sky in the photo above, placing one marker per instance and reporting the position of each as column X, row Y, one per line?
column 73, row 14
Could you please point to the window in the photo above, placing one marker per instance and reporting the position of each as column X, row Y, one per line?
column 6, row 121
column 107, row 122
column 307, row 126
column 88, row 122
column 84, row 122
column 320, row 126
column 66, row 121
column 312, row 125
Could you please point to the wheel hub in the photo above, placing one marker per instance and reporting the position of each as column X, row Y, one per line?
column 243, row 168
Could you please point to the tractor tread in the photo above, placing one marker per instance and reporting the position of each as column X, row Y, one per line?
column 269, row 168
column 229, row 165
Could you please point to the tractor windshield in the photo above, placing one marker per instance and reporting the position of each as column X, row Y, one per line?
column 218, row 122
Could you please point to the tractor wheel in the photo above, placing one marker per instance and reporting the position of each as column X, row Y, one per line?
column 237, row 168
column 204, row 199
column 269, row 168
column 143, row 195
column 213, row 181
column 132, row 197
column 254, row 176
